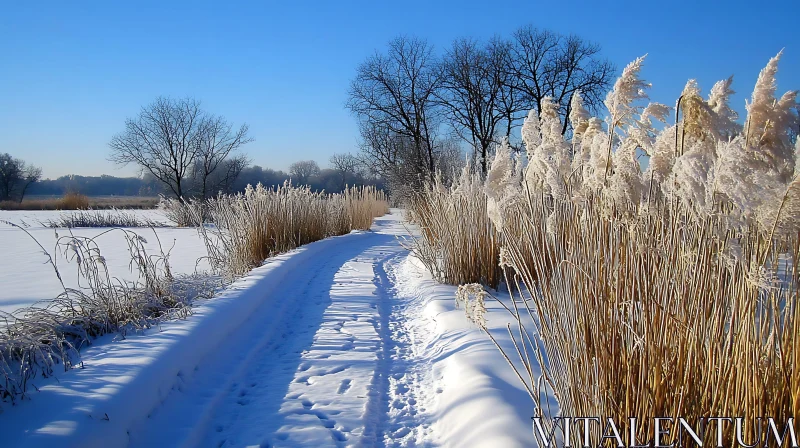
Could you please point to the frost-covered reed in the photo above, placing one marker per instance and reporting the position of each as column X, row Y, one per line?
column 240, row 232
column 35, row 340
column 458, row 243
column 668, row 291
column 252, row 226
column 101, row 218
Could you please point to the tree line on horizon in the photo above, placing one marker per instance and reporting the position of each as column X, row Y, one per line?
column 305, row 172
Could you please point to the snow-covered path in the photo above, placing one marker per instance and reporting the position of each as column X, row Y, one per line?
column 346, row 342
column 314, row 369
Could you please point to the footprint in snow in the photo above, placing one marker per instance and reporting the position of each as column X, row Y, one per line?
column 344, row 387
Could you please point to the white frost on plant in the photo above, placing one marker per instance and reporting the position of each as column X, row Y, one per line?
column 769, row 121
column 643, row 130
column 742, row 178
column 696, row 149
column 624, row 105
column 595, row 149
column 626, row 182
column 759, row 108
column 756, row 170
column 500, row 184
column 531, row 132
column 698, row 119
column 578, row 116
column 719, row 101
column 625, row 185
column 690, row 183
column 662, row 159
column 621, row 101
column 552, row 157
column 472, row 297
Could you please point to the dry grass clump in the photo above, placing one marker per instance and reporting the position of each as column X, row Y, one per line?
column 123, row 202
column 458, row 243
column 252, row 226
column 672, row 292
column 362, row 205
column 34, row 340
column 184, row 213
column 656, row 316
column 74, row 201
column 100, row 202
column 92, row 218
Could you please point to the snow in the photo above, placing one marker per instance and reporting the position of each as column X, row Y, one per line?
column 26, row 278
column 480, row 401
column 343, row 342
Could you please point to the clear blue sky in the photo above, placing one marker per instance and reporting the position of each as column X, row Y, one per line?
column 71, row 72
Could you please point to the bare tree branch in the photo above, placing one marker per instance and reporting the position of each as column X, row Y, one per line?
column 302, row 171
column 174, row 139
column 550, row 64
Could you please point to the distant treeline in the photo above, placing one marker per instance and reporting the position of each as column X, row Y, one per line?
column 329, row 180
column 95, row 186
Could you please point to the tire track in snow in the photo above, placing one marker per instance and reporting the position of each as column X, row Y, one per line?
column 258, row 363
column 406, row 424
column 328, row 362
column 243, row 417
column 377, row 408
column 343, row 392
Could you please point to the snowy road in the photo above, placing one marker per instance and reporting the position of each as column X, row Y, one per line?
column 313, row 369
column 346, row 342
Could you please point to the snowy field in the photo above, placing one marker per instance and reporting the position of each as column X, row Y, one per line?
column 343, row 342
column 26, row 278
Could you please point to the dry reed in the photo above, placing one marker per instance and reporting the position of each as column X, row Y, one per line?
column 670, row 293
column 658, row 316
column 252, row 226
column 458, row 243
column 93, row 202
column 101, row 218
column 36, row 339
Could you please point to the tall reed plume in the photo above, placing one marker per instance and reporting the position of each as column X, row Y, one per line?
column 668, row 292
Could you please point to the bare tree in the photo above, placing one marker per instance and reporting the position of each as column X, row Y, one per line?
column 450, row 160
column 395, row 92
column 393, row 157
column 472, row 93
column 480, row 91
column 225, row 176
column 510, row 101
column 217, row 141
column 30, row 175
column 171, row 138
column 15, row 177
column 302, row 171
column 346, row 165
column 546, row 63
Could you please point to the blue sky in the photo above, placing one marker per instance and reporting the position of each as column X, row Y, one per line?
column 71, row 72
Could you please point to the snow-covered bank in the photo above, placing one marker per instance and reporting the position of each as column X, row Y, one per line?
column 26, row 278
column 124, row 381
column 344, row 342
column 480, row 402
